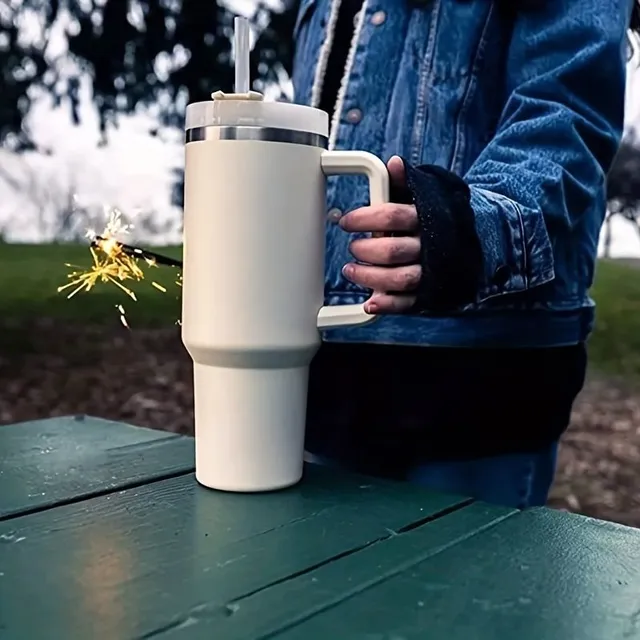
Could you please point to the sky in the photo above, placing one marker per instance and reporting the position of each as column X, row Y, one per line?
column 134, row 171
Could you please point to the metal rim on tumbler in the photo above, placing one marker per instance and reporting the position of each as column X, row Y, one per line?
column 265, row 134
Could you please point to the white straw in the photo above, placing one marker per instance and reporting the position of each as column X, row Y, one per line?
column 241, row 27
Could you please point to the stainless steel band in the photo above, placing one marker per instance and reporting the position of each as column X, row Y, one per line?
column 266, row 134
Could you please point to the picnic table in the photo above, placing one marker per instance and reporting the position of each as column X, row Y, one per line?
column 105, row 534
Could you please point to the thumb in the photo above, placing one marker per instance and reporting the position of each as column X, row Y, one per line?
column 395, row 166
column 398, row 178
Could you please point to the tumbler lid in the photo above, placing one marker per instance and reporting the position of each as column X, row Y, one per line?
column 251, row 110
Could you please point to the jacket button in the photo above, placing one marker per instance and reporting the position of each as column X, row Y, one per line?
column 501, row 275
column 378, row 18
column 354, row 116
column 334, row 215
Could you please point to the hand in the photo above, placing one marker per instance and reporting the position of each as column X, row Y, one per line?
column 394, row 269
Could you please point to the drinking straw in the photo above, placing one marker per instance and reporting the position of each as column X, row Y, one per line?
column 241, row 27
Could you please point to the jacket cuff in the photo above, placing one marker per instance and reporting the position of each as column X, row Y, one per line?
column 475, row 244
column 515, row 246
column 451, row 252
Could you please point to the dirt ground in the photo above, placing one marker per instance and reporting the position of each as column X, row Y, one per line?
column 144, row 377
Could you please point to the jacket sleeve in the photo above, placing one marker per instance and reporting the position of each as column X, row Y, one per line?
column 545, row 167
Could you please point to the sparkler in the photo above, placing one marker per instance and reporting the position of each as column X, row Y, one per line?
column 142, row 254
column 115, row 262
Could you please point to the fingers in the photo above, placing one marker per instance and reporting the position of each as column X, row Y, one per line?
column 384, row 217
column 387, row 303
column 395, row 166
column 384, row 278
column 388, row 217
column 386, row 251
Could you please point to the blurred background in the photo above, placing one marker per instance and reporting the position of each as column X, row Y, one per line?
column 92, row 97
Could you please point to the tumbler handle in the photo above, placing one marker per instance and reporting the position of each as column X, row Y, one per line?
column 353, row 163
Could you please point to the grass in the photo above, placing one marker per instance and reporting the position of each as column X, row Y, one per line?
column 615, row 344
column 30, row 275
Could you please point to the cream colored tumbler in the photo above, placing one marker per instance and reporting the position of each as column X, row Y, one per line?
column 253, row 280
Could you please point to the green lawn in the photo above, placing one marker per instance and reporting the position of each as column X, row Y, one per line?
column 615, row 344
column 30, row 275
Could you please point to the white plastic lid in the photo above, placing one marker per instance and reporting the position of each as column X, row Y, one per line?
column 250, row 110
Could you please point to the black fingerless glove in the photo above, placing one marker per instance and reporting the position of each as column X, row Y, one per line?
column 451, row 255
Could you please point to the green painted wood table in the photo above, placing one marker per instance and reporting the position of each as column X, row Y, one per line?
column 105, row 534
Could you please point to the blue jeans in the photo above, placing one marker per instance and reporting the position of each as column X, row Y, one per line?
column 481, row 423
column 516, row 480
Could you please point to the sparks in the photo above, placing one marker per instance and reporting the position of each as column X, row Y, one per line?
column 115, row 262
column 123, row 316
column 110, row 262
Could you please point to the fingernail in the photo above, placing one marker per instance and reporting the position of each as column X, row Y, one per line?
column 371, row 307
column 347, row 270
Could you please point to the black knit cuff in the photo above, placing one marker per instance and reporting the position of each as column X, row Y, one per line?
column 451, row 254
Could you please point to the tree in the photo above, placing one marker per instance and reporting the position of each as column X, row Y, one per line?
column 23, row 67
column 160, row 54
column 49, row 205
column 623, row 186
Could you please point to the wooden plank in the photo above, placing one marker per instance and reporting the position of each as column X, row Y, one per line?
column 142, row 562
column 48, row 462
column 538, row 574
column 287, row 603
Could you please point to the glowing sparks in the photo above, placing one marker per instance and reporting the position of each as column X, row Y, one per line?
column 123, row 316
column 115, row 262
column 110, row 262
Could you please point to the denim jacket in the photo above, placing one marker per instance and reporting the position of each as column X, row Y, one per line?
column 525, row 105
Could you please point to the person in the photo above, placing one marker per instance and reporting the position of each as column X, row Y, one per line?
column 499, row 120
